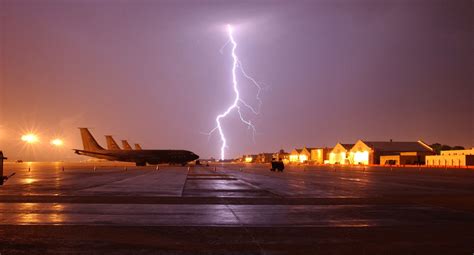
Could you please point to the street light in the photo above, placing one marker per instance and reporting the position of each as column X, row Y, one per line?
column 57, row 142
column 30, row 138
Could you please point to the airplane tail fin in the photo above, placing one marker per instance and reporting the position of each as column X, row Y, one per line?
column 111, row 144
column 89, row 142
column 138, row 147
column 126, row 145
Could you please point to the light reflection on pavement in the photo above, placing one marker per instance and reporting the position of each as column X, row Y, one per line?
column 202, row 197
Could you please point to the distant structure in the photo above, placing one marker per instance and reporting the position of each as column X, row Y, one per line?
column 126, row 146
column 320, row 155
column 300, row 155
column 281, row 155
column 394, row 153
column 368, row 153
column 249, row 158
column 111, row 144
column 340, row 153
column 310, row 155
column 138, row 147
column 452, row 158
column 364, row 153
column 264, row 157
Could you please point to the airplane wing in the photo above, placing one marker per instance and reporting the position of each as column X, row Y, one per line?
column 82, row 152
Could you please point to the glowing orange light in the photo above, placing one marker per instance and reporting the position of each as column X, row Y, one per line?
column 57, row 142
column 303, row 158
column 343, row 158
column 30, row 138
column 332, row 158
column 29, row 180
column 293, row 158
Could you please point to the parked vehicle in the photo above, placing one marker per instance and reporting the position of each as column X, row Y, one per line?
column 277, row 165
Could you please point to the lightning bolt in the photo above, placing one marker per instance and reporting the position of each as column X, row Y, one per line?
column 238, row 101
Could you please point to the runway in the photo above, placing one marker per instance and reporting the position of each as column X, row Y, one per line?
column 232, row 208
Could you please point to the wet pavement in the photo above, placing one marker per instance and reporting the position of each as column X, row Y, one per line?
column 231, row 208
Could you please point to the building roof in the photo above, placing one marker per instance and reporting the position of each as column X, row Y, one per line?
column 297, row 151
column 399, row 146
column 347, row 146
column 321, row 148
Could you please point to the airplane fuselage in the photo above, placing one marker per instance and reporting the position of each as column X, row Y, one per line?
column 143, row 157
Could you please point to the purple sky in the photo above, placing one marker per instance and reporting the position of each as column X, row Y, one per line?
column 151, row 72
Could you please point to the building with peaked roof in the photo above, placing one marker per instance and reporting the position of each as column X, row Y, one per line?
column 452, row 158
column 368, row 153
column 340, row 154
column 320, row 155
column 295, row 155
column 306, row 154
column 300, row 155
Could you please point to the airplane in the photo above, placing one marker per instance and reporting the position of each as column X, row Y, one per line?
column 111, row 144
column 138, row 147
column 126, row 145
column 140, row 157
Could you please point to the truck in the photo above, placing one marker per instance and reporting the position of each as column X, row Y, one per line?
column 277, row 165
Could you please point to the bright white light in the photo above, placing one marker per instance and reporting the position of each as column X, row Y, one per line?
column 294, row 158
column 303, row 158
column 57, row 142
column 235, row 105
column 332, row 158
column 30, row 138
column 361, row 157
column 343, row 158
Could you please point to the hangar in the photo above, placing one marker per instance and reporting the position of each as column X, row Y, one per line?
column 320, row 155
column 369, row 153
column 452, row 158
column 340, row 154
column 300, row 155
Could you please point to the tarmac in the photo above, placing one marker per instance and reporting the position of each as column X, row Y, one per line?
column 117, row 208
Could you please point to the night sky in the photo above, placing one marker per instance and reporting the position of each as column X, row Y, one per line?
column 152, row 72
